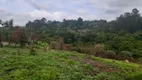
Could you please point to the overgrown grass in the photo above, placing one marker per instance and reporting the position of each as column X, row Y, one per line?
column 128, row 70
column 58, row 65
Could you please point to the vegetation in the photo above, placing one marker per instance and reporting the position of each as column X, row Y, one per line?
column 63, row 65
column 39, row 50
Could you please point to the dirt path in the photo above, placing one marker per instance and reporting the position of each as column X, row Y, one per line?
column 96, row 64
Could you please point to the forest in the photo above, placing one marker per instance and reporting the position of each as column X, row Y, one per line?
column 119, row 39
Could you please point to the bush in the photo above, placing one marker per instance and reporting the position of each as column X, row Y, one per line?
column 52, row 44
column 22, row 44
column 40, row 44
column 140, row 60
column 99, row 49
column 92, row 50
column 77, row 49
column 110, row 54
column 125, row 54
column 137, row 53
column 60, row 45
column 33, row 51
column 68, row 47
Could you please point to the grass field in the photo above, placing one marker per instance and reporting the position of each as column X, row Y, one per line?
column 63, row 65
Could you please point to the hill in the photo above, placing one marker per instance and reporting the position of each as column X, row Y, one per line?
column 16, row 64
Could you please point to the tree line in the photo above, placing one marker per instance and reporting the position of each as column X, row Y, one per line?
column 122, row 36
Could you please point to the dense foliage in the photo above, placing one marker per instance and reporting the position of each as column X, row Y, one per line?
column 122, row 35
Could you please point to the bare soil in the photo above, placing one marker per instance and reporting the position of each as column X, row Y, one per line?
column 96, row 64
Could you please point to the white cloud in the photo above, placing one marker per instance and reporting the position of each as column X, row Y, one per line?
column 48, row 15
column 39, row 13
column 110, row 9
column 69, row 9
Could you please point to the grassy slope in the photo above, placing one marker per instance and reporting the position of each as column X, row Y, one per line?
column 63, row 65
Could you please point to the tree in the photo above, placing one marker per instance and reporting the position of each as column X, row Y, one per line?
column 43, row 20
column 6, row 24
column 16, row 35
column 128, row 22
column 11, row 23
column 29, row 24
column 135, row 11
column 65, row 23
column 79, row 22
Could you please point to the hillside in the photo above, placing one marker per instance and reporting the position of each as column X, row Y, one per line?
column 63, row 65
column 119, row 39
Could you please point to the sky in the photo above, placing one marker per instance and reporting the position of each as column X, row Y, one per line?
column 22, row 11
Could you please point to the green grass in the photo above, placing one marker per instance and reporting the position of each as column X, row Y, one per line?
column 59, row 65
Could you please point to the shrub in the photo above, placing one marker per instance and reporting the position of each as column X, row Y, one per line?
column 52, row 44
column 33, row 51
column 76, row 49
column 22, row 44
column 1, row 45
column 140, row 60
column 92, row 50
column 137, row 53
column 110, row 54
column 99, row 49
column 40, row 44
column 60, row 45
column 125, row 54
column 68, row 47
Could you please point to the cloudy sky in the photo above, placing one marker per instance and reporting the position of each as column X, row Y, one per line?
column 24, row 10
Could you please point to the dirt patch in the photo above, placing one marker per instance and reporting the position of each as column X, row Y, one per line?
column 101, row 66
column 5, row 43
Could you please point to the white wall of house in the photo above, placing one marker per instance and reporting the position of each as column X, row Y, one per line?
column 0, row 25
